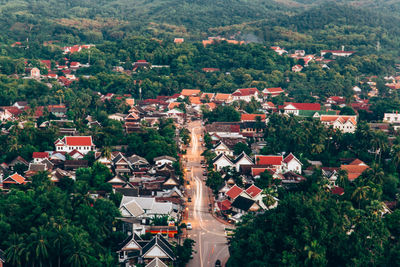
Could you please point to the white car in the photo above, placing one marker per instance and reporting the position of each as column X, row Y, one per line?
column 189, row 226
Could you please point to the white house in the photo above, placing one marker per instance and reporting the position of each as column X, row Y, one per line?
column 5, row 115
column 222, row 161
column 146, row 207
column 291, row 163
column 295, row 108
column 164, row 160
column 246, row 94
column 83, row 144
column 346, row 124
column 242, row 159
column 221, row 148
column 337, row 53
column 391, row 117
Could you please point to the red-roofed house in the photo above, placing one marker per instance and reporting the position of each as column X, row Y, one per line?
column 345, row 124
column 190, row 92
column 275, row 162
column 83, row 144
column 246, row 94
column 275, row 91
column 234, row 192
column 253, row 191
column 291, row 163
column 252, row 117
column 354, row 169
column 223, row 98
column 39, row 156
column 224, row 205
column 336, row 190
column 47, row 63
column 13, row 180
column 294, row 108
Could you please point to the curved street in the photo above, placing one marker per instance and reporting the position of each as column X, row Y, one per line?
column 208, row 232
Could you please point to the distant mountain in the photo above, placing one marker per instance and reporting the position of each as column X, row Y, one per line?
column 282, row 21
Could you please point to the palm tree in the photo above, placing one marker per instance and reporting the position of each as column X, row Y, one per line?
column 360, row 193
column 16, row 247
column 77, row 251
column 396, row 155
column 315, row 254
column 58, row 241
column 38, row 245
column 106, row 152
column 271, row 194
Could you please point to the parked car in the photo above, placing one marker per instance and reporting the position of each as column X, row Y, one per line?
column 189, row 226
column 189, row 199
column 218, row 263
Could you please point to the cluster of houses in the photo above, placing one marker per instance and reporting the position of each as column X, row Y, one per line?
column 287, row 171
column 148, row 191
column 323, row 59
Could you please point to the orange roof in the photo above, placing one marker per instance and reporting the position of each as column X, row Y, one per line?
column 211, row 105
column 195, row 100
column 343, row 119
column 173, row 105
column 179, row 40
column 78, row 140
column 354, row 171
column 130, row 101
column 222, row 97
column 190, row 92
column 17, row 178
column 207, row 42
column 252, row 117
column 209, row 95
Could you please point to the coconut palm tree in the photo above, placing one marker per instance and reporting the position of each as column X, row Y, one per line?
column 360, row 193
column 106, row 152
column 16, row 248
column 38, row 245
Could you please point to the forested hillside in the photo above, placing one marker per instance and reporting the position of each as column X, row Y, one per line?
column 364, row 26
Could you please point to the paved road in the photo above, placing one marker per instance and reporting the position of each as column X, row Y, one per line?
column 208, row 232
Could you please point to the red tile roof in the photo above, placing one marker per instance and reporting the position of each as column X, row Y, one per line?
column 40, row 155
column 253, row 190
column 257, row 171
column 234, row 192
column 337, row 190
column 268, row 160
column 354, row 171
column 78, row 140
column 245, row 92
column 47, row 63
column 274, row 90
column 305, row 106
column 252, row 117
column 190, row 92
column 16, row 177
column 288, row 158
column 224, row 205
